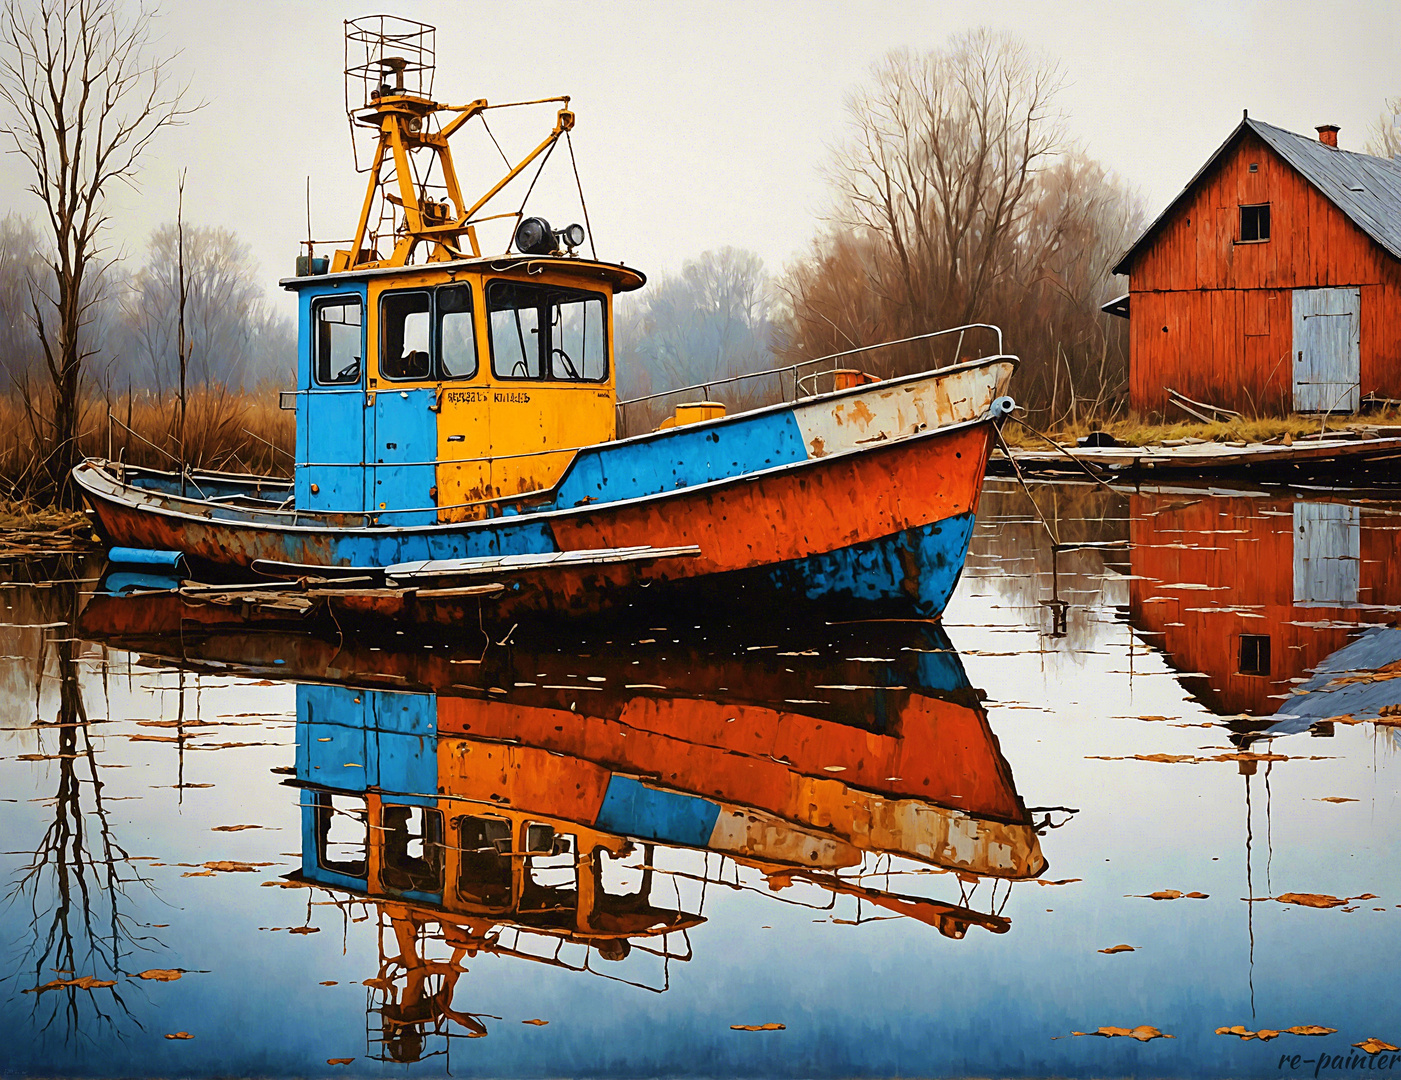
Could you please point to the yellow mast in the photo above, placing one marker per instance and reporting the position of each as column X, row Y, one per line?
column 406, row 122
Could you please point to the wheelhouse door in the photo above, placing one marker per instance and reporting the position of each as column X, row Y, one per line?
column 404, row 446
column 1327, row 357
column 331, row 473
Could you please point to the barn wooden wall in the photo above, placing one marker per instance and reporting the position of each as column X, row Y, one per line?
column 1213, row 318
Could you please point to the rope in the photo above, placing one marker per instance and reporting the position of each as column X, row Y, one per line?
column 1055, row 540
column 568, row 140
column 553, row 143
column 482, row 117
column 1063, row 450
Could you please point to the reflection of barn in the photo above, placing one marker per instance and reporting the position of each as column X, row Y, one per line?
column 1273, row 282
column 1253, row 593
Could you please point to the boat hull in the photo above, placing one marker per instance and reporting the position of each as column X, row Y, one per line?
column 887, row 526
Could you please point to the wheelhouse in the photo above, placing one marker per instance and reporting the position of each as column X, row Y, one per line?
column 424, row 393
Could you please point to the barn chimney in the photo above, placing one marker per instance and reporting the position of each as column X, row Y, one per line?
column 1328, row 135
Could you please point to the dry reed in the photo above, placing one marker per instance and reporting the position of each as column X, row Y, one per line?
column 225, row 429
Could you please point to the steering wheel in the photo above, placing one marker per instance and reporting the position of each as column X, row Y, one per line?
column 568, row 363
column 349, row 372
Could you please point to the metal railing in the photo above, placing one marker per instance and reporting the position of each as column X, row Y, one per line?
column 793, row 369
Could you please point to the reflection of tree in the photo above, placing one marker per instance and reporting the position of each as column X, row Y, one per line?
column 78, row 876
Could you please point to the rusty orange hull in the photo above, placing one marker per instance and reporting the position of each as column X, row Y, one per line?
column 888, row 526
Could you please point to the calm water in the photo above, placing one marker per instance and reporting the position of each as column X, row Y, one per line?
column 908, row 845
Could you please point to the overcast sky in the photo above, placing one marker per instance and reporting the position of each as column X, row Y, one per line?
column 704, row 125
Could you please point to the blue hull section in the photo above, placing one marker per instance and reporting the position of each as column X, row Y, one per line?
column 917, row 568
column 907, row 575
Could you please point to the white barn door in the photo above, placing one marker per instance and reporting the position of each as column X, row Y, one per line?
column 1327, row 554
column 1327, row 357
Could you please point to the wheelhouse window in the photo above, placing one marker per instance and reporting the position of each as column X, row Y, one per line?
column 403, row 336
column 546, row 333
column 428, row 334
column 413, row 849
column 484, row 869
column 342, row 832
column 337, row 341
column 1254, row 223
column 457, row 334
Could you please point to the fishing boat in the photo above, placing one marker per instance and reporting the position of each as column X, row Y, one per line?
column 458, row 422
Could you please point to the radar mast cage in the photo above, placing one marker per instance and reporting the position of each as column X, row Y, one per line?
column 389, row 65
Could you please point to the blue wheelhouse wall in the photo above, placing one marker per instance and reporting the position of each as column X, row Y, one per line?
column 331, row 421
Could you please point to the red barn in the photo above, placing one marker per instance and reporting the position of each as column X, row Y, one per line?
column 1272, row 283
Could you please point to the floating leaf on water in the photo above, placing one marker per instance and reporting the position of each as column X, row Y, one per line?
column 1118, row 949
column 339, row 1061
column 1373, row 1045
column 330, row 982
column 1264, row 1034
column 82, row 982
column 1334, row 799
column 229, row 867
column 537, row 1023
column 160, row 974
column 235, row 828
column 834, row 768
column 179, row 1035
column 757, row 1027
column 1062, row 881
column 1310, row 1029
column 1170, row 894
column 198, row 873
column 1143, row 1033
column 305, row 930
column 1313, row 900
column 377, row 984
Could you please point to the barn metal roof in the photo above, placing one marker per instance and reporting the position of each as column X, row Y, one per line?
column 1367, row 189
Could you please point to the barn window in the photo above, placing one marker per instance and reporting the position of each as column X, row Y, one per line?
column 1254, row 223
column 1254, row 654
column 1254, row 166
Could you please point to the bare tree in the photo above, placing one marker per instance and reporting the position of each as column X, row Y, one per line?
column 1384, row 136
column 959, row 198
column 85, row 100
column 941, row 166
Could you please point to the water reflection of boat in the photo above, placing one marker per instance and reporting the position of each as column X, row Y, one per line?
column 570, row 805
column 1250, row 592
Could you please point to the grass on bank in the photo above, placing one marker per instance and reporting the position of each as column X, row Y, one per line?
column 1133, row 431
